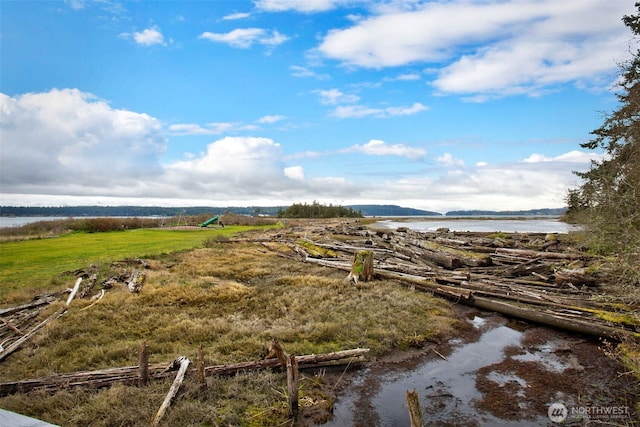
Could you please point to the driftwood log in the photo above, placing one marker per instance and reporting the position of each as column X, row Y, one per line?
column 130, row 374
column 183, row 363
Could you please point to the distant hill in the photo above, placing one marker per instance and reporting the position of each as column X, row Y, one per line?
column 390, row 210
column 532, row 212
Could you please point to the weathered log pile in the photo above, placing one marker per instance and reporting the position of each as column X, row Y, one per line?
column 535, row 277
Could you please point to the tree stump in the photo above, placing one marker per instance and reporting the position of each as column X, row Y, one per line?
column 362, row 267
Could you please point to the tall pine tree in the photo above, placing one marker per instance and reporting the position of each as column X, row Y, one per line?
column 608, row 201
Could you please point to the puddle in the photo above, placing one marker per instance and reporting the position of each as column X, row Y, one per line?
column 505, row 377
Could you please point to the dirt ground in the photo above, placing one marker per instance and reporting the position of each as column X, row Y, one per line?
column 547, row 366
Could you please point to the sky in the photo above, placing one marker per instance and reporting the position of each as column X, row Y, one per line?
column 435, row 104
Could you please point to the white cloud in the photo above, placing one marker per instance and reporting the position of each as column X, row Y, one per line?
column 295, row 173
column 406, row 111
column 246, row 37
column 335, row 96
column 76, row 4
column 376, row 147
column 271, row 119
column 215, row 128
column 574, row 156
column 304, row 6
column 149, row 37
column 404, row 77
column 70, row 142
column 448, row 160
column 518, row 46
column 235, row 16
column 359, row 111
column 193, row 129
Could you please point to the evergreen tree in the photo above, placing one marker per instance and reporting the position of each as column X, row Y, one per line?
column 608, row 201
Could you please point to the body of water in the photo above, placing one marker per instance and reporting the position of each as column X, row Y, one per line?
column 505, row 225
column 17, row 221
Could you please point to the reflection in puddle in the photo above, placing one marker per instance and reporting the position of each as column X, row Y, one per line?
column 447, row 388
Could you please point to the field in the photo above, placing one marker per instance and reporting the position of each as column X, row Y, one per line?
column 31, row 265
column 219, row 288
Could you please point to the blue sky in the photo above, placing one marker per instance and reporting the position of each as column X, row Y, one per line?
column 438, row 105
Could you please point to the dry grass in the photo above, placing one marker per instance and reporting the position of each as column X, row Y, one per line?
column 233, row 299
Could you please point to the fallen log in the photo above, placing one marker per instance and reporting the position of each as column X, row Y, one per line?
column 131, row 374
column 538, row 254
column 548, row 319
column 37, row 303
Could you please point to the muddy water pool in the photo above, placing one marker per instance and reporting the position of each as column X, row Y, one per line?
column 500, row 372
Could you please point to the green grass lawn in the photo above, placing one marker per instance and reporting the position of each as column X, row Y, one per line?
column 30, row 265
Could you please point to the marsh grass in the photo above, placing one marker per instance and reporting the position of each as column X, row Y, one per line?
column 231, row 298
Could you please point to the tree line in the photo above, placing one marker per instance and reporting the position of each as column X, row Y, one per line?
column 317, row 210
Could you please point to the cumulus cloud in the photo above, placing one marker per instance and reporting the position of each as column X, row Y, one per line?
column 149, row 37
column 519, row 46
column 244, row 38
column 67, row 141
column 295, row 173
column 376, row 147
column 506, row 186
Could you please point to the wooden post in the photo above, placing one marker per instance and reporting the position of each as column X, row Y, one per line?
column 143, row 365
column 200, row 367
column 184, row 364
column 292, row 385
column 415, row 412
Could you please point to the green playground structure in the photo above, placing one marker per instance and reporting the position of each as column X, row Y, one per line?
column 210, row 221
